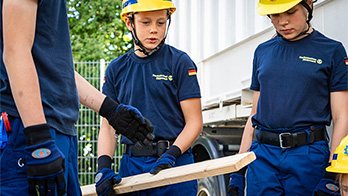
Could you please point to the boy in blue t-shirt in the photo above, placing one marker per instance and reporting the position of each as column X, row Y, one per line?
column 40, row 95
column 300, row 83
column 161, row 82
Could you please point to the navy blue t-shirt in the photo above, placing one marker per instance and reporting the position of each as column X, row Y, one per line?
column 295, row 79
column 54, row 63
column 155, row 85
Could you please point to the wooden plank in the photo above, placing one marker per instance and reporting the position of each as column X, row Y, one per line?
column 179, row 174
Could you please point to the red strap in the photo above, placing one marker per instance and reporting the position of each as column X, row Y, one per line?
column 6, row 121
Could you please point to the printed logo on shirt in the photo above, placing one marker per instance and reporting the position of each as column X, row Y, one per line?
column 346, row 60
column 163, row 77
column 311, row 59
column 192, row 71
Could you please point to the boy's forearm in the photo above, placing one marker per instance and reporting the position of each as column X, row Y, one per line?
column 107, row 141
column 247, row 137
column 192, row 111
column 88, row 94
column 19, row 19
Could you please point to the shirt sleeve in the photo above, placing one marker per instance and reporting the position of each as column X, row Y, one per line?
column 339, row 72
column 186, row 78
column 108, row 87
column 255, row 85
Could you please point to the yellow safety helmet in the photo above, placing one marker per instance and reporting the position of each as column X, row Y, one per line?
column 266, row 7
column 132, row 6
column 339, row 162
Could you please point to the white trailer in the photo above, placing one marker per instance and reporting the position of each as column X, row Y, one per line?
column 221, row 36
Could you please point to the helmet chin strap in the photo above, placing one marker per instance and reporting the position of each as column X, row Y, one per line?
column 305, row 32
column 310, row 16
column 138, row 43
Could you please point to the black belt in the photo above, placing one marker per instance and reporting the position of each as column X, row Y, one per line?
column 289, row 140
column 155, row 150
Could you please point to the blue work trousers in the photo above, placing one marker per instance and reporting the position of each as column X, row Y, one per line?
column 13, row 177
column 286, row 172
column 131, row 165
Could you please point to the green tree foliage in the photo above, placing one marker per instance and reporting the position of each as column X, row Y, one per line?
column 96, row 29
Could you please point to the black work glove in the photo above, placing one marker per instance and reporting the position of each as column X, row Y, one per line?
column 167, row 159
column 128, row 121
column 327, row 186
column 236, row 186
column 106, row 178
column 45, row 162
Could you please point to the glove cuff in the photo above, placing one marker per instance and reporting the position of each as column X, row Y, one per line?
column 37, row 134
column 104, row 161
column 108, row 107
column 330, row 175
column 174, row 151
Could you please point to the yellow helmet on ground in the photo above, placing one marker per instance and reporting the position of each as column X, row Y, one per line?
column 339, row 162
column 132, row 6
column 266, row 7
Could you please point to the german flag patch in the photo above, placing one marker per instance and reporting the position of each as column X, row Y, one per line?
column 346, row 60
column 192, row 71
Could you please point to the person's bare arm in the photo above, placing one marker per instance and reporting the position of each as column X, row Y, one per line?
column 339, row 109
column 88, row 94
column 192, row 111
column 248, row 130
column 19, row 21
column 107, row 141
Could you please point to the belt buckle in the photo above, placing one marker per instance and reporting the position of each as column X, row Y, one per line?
column 162, row 146
column 164, row 141
column 281, row 140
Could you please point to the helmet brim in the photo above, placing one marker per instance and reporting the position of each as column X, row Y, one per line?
column 336, row 169
column 271, row 8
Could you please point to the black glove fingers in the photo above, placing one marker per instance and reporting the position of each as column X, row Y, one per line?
column 158, row 169
column 150, row 136
column 115, row 181
column 37, row 187
column 142, row 130
column 117, row 122
column 161, row 167
column 129, row 122
column 122, row 111
column 145, row 136
column 137, row 145
column 149, row 129
column 111, row 192
column 147, row 142
column 140, row 137
column 102, row 187
column 61, row 185
column 32, row 187
column 133, row 127
column 50, row 186
column 105, row 188
column 148, row 125
column 137, row 117
column 41, row 187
